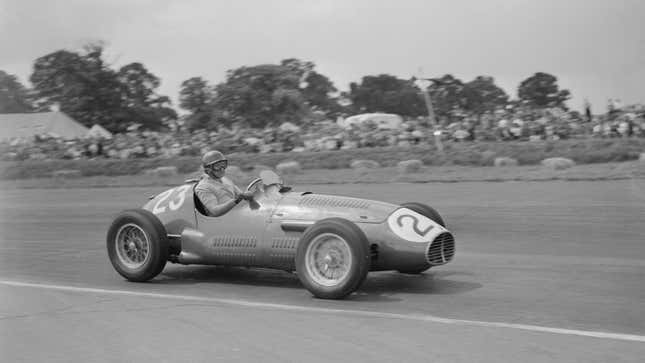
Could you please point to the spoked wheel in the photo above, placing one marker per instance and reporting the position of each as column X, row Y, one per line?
column 328, row 259
column 137, row 245
column 333, row 258
column 132, row 246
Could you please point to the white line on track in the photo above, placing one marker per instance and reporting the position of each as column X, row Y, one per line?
column 372, row 314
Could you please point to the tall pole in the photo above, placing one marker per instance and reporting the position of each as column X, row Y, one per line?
column 423, row 84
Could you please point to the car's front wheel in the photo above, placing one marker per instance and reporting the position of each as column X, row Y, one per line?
column 137, row 245
column 426, row 211
column 332, row 258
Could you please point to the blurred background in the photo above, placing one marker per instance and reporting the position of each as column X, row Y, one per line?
column 162, row 79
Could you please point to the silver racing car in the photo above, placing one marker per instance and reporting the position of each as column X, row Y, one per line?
column 330, row 241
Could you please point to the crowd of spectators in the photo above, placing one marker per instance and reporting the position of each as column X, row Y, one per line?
column 501, row 125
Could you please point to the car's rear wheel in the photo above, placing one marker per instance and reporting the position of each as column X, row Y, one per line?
column 429, row 212
column 333, row 258
column 137, row 245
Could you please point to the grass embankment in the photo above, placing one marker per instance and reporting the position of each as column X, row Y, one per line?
column 435, row 174
column 455, row 154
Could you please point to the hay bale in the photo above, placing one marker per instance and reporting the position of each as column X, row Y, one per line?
column 289, row 167
column 558, row 163
column 164, row 171
column 364, row 164
column 259, row 167
column 488, row 157
column 66, row 173
column 409, row 166
column 505, row 161
column 403, row 143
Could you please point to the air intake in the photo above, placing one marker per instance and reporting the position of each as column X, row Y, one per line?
column 441, row 250
column 313, row 200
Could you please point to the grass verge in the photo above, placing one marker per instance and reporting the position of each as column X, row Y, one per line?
column 429, row 174
column 455, row 154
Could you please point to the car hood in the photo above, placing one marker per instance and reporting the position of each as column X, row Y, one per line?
column 313, row 207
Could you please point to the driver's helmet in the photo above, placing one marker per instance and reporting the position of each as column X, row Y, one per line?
column 214, row 158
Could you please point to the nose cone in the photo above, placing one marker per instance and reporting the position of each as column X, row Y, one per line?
column 441, row 250
column 414, row 227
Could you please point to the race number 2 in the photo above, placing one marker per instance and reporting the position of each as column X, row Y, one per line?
column 171, row 199
column 413, row 226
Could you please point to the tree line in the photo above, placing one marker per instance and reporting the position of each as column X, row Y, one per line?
column 81, row 84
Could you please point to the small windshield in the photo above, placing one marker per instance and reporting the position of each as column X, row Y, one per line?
column 270, row 178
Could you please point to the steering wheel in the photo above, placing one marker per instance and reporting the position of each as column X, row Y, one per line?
column 253, row 184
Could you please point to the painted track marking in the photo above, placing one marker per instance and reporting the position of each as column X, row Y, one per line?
column 372, row 314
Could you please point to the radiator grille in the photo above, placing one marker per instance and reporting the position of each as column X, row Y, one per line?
column 441, row 250
column 312, row 200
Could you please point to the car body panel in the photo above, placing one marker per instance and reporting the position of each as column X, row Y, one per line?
column 266, row 231
column 310, row 206
column 175, row 208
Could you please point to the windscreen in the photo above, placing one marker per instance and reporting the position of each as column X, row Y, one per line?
column 270, row 178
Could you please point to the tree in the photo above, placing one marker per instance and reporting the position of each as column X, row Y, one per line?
column 197, row 97
column 260, row 95
column 448, row 95
column 316, row 88
column 88, row 90
column 80, row 84
column 541, row 90
column 195, row 94
column 386, row 93
column 482, row 94
column 141, row 103
column 14, row 96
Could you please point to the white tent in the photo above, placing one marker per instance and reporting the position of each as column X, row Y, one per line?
column 99, row 132
column 27, row 125
column 382, row 120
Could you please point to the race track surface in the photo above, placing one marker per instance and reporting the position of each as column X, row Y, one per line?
column 544, row 271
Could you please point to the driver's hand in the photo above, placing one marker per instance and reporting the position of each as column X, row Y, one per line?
column 246, row 195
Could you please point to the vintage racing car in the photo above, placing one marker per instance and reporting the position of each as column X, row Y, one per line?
column 331, row 242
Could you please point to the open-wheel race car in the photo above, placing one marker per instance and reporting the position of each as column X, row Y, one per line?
column 331, row 242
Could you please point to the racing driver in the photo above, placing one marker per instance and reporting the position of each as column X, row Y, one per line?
column 218, row 193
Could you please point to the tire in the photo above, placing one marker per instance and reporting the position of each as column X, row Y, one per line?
column 130, row 259
column 426, row 211
column 345, row 246
column 429, row 212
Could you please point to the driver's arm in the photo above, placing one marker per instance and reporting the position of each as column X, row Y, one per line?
column 212, row 205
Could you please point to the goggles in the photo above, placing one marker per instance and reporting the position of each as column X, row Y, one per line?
column 218, row 165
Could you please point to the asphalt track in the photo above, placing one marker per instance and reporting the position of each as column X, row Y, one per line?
column 544, row 271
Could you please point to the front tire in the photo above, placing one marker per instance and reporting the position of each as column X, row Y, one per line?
column 429, row 212
column 426, row 211
column 137, row 245
column 333, row 258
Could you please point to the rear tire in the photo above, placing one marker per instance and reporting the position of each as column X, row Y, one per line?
column 137, row 245
column 426, row 211
column 333, row 258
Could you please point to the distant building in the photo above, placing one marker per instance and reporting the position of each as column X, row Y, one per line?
column 28, row 125
column 97, row 131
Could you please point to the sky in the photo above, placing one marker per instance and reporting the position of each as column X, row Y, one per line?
column 596, row 48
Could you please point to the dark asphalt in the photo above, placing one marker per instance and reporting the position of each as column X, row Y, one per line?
column 558, row 254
